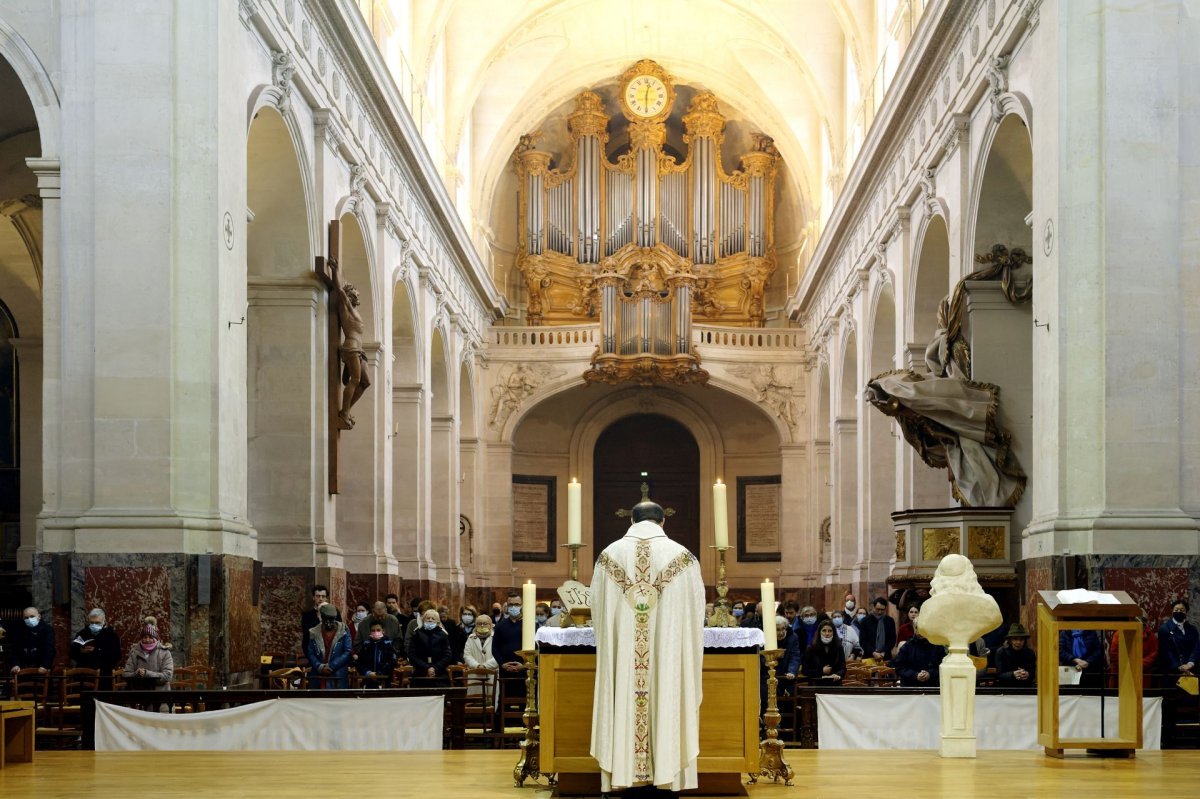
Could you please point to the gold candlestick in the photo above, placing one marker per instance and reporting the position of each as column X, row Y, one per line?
column 577, row 613
column 770, row 749
column 722, row 607
column 527, row 766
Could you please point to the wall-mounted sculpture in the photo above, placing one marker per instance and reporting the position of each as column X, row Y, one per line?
column 949, row 418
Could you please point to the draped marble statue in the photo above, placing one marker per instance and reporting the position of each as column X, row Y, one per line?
column 648, row 614
column 949, row 418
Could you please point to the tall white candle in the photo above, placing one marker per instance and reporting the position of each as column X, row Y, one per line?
column 720, row 515
column 574, row 512
column 528, row 611
column 766, row 609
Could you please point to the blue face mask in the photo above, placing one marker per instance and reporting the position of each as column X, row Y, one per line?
column 431, row 625
column 837, row 621
column 95, row 627
column 514, row 610
column 31, row 622
column 809, row 621
column 738, row 612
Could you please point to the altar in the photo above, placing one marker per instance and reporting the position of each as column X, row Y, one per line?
column 729, row 712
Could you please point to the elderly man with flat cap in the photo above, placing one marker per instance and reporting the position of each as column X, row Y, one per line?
column 648, row 614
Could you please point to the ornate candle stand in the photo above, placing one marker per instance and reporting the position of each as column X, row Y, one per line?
column 770, row 749
column 573, row 594
column 722, row 607
column 527, row 766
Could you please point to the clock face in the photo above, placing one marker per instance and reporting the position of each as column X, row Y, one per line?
column 646, row 96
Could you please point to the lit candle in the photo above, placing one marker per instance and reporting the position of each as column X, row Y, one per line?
column 766, row 609
column 720, row 515
column 574, row 512
column 528, row 611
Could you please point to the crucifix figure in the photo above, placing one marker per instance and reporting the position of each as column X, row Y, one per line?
column 623, row 513
column 344, row 301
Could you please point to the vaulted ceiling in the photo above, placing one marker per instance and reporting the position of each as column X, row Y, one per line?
column 506, row 67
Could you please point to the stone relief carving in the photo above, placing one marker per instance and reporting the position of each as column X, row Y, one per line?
column 282, row 70
column 997, row 77
column 514, row 384
column 772, row 392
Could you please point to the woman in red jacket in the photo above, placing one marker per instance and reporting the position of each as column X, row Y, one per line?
column 1149, row 655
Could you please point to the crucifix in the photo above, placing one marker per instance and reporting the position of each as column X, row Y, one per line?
column 347, row 372
column 624, row 514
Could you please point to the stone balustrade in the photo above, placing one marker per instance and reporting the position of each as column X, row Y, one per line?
column 746, row 338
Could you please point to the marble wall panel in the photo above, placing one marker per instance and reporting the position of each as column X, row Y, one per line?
column 283, row 596
column 242, row 631
column 1037, row 578
column 363, row 588
column 1154, row 589
column 128, row 594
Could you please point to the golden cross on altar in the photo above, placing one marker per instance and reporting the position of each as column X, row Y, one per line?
column 645, row 498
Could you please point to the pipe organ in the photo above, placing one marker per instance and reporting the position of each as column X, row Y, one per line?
column 646, row 242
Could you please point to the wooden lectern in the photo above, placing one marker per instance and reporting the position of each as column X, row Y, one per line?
column 1054, row 617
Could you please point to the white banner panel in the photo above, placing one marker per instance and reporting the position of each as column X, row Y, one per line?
column 384, row 723
column 914, row 721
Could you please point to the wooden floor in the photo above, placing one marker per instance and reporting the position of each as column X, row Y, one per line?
column 475, row 774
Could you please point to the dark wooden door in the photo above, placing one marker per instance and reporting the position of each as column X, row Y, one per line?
column 666, row 452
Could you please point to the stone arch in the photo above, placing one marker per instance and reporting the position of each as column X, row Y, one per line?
column 880, row 439
column 443, row 452
column 28, row 141
column 1002, row 197
column 286, row 346
column 410, row 419
column 928, row 283
column 406, row 338
column 285, row 145
column 358, row 267
column 37, row 86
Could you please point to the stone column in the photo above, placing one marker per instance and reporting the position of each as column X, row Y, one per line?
column 1114, row 153
column 359, row 524
column 410, row 527
column 845, row 508
column 798, row 544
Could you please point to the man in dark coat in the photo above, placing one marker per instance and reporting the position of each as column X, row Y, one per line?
column 34, row 645
column 917, row 661
column 97, row 646
column 1016, row 663
column 1083, row 650
column 877, row 633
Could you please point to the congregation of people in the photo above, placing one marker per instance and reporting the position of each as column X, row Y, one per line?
column 817, row 646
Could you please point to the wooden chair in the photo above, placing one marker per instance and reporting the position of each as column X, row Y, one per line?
column 30, row 686
column 511, row 726
column 288, row 678
column 72, row 686
column 856, row 674
column 479, row 711
column 883, row 675
column 402, row 676
column 183, row 679
column 203, row 678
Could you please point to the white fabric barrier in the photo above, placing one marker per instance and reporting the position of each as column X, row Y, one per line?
column 384, row 723
column 714, row 637
column 914, row 721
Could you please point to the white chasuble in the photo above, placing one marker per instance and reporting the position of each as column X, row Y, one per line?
column 648, row 614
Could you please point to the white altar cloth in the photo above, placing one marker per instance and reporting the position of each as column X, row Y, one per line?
column 714, row 637
column 383, row 723
column 914, row 721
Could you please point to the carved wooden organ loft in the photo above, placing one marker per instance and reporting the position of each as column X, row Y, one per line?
column 646, row 242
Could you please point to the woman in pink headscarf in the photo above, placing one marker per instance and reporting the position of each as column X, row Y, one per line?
column 150, row 665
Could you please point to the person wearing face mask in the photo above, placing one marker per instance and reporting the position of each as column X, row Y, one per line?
column 98, row 647
column 556, row 608
column 391, row 627
column 430, row 651
column 356, row 619
column 542, row 615
column 461, row 633
column 807, row 628
column 150, row 666
column 477, row 654
column 507, row 643
column 860, row 615
column 415, row 624
column 376, row 656
column 1178, row 644
column 329, row 650
column 825, row 660
column 847, row 634
column 34, row 644
column 739, row 611
column 850, row 603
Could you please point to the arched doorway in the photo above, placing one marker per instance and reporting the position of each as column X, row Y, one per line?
column 651, row 449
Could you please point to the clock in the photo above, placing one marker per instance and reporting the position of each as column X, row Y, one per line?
column 646, row 96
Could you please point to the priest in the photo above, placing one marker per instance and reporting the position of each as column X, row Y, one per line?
column 648, row 614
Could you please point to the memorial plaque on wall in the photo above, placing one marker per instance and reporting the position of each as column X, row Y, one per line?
column 758, row 500
column 533, row 503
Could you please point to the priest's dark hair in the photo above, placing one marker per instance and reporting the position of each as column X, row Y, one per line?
column 648, row 511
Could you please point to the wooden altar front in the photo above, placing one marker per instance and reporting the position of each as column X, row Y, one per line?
column 729, row 715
